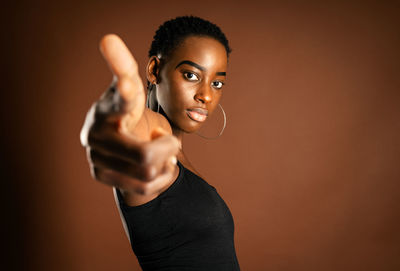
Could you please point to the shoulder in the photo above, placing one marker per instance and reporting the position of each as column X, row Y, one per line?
column 157, row 120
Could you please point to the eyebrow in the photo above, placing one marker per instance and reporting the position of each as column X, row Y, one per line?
column 191, row 63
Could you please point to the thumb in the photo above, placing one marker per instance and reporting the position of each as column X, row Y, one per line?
column 158, row 132
column 172, row 144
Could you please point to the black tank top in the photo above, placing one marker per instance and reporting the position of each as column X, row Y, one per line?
column 187, row 227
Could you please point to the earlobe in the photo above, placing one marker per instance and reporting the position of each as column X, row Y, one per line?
column 153, row 69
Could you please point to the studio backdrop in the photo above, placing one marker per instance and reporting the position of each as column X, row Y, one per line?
column 308, row 163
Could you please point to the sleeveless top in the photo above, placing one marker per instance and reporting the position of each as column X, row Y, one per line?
column 187, row 227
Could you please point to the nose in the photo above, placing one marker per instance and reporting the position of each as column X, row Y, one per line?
column 204, row 94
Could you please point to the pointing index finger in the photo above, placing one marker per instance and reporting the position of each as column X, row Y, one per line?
column 118, row 56
column 130, row 96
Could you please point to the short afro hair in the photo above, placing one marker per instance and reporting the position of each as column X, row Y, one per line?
column 171, row 33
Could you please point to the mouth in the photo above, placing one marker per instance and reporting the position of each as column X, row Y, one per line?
column 197, row 114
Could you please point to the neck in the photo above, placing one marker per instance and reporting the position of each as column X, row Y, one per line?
column 178, row 133
column 153, row 105
column 181, row 156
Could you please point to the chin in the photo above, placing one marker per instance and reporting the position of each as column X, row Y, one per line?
column 183, row 123
column 189, row 127
column 192, row 129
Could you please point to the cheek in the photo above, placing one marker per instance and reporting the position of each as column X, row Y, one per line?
column 182, row 92
column 173, row 95
column 216, row 97
column 215, row 103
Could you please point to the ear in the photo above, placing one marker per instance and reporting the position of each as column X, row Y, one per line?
column 153, row 69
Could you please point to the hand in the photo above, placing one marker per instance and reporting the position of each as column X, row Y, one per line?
column 128, row 146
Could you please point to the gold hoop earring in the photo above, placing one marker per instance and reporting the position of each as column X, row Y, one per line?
column 222, row 130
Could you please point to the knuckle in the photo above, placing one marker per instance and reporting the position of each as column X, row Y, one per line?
column 95, row 172
column 92, row 155
column 91, row 138
column 87, row 125
column 145, row 154
column 148, row 172
column 144, row 189
column 95, row 134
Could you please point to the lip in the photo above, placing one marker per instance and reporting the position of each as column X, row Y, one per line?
column 197, row 114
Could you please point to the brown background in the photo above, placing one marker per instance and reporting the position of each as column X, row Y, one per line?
column 309, row 162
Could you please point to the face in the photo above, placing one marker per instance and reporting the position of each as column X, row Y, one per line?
column 190, row 82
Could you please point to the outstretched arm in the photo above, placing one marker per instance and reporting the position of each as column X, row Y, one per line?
column 128, row 146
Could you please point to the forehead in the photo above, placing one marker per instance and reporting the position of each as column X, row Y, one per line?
column 204, row 51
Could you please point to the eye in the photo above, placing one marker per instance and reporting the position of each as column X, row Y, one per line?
column 217, row 84
column 191, row 76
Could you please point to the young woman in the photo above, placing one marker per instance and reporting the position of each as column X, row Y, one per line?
column 173, row 218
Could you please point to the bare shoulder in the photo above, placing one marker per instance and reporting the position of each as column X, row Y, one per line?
column 159, row 120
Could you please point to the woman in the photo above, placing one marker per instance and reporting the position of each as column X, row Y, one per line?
column 173, row 218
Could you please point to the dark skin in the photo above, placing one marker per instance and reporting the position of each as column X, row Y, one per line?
column 192, row 78
column 134, row 149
